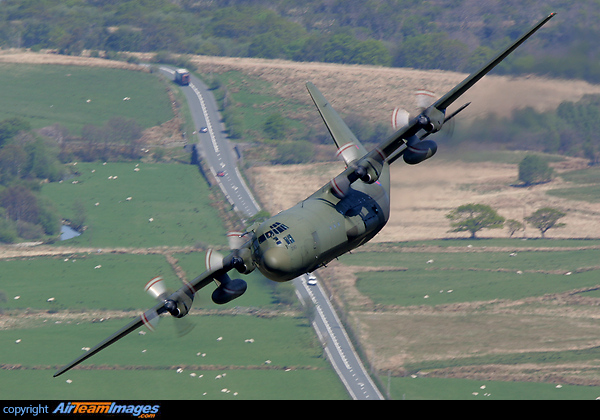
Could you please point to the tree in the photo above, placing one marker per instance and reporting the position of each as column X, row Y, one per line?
column 513, row 226
column 292, row 152
column 13, row 160
column 275, row 126
column 11, row 126
column 431, row 51
column 534, row 170
column 545, row 219
column 20, row 204
column 79, row 215
column 474, row 217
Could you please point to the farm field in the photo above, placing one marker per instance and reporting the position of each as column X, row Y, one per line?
column 75, row 305
column 474, row 313
column 421, row 197
column 140, row 205
column 481, row 310
column 78, row 95
column 409, row 388
column 373, row 92
column 69, row 296
column 142, row 219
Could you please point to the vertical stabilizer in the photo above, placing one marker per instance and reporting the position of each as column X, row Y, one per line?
column 349, row 147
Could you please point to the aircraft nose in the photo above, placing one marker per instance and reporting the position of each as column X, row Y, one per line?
column 276, row 260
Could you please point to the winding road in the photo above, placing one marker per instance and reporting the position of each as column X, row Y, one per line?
column 222, row 160
column 214, row 147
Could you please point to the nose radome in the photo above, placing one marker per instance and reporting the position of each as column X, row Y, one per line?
column 276, row 260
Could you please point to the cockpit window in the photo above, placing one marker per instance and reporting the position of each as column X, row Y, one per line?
column 276, row 229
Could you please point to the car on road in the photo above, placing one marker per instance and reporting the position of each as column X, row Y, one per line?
column 220, row 173
column 204, row 129
column 312, row 280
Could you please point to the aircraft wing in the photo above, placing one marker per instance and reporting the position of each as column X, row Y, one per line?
column 462, row 87
column 404, row 142
column 436, row 113
column 147, row 317
column 132, row 326
column 349, row 147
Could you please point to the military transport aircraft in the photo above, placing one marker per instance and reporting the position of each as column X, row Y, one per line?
column 342, row 215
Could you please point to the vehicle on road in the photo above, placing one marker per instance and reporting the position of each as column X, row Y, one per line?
column 182, row 77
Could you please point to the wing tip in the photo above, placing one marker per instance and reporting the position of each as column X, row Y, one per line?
column 61, row 371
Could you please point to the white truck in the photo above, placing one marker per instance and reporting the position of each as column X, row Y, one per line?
column 182, row 77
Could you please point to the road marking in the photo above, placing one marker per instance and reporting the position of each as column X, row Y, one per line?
column 208, row 123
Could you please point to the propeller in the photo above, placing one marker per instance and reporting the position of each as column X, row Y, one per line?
column 340, row 185
column 417, row 148
column 177, row 304
column 423, row 100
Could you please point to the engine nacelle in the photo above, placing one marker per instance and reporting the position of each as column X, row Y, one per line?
column 248, row 264
column 369, row 169
column 178, row 308
column 420, row 151
column 228, row 291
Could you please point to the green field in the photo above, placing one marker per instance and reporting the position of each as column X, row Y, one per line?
column 54, row 306
column 87, row 304
column 55, row 303
column 523, row 311
column 283, row 361
column 254, row 100
column 433, row 309
column 175, row 197
column 467, row 389
column 585, row 185
column 435, row 278
column 49, row 94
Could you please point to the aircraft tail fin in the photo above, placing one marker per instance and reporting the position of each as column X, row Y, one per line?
column 349, row 147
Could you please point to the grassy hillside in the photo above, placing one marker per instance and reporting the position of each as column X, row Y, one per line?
column 75, row 96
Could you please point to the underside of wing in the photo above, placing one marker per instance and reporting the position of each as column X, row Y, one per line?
column 349, row 147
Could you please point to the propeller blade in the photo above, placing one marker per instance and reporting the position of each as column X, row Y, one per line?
column 400, row 118
column 235, row 239
column 156, row 288
column 340, row 185
column 424, row 98
column 214, row 260
column 150, row 318
column 183, row 326
column 349, row 152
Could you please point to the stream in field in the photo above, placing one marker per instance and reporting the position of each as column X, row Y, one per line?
column 67, row 232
